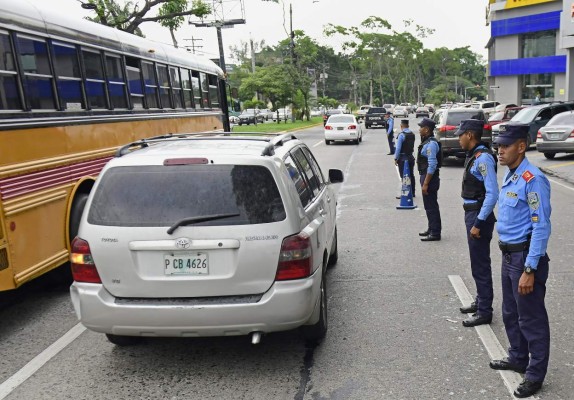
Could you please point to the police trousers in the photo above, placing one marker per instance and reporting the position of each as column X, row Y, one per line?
column 480, row 265
column 391, row 139
column 411, row 161
column 525, row 317
column 430, row 202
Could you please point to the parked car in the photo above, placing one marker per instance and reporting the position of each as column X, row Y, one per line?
column 363, row 111
column 431, row 107
column 375, row 118
column 401, row 111
column 447, row 122
column 233, row 119
column 248, row 117
column 282, row 114
column 266, row 114
column 241, row 247
column 538, row 116
column 557, row 136
column 422, row 112
column 343, row 127
column 389, row 107
column 487, row 107
column 328, row 113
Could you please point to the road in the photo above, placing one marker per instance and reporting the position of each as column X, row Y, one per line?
column 395, row 330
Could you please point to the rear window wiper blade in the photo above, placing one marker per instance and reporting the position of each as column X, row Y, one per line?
column 195, row 220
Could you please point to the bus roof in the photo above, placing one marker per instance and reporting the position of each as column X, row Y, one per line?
column 25, row 17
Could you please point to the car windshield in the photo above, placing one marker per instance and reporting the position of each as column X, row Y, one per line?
column 341, row 118
column 509, row 113
column 526, row 115
column 455, row 118
column 496, row 116
column 565, row 118
column 245, row 194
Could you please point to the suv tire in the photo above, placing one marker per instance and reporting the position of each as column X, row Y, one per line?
column 316, row 332
column 123, row 340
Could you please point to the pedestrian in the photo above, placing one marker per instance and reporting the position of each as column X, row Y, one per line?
column 404, row 152
column 429, row 161
column 479, row 194
column 390, row 133
column 523, row 229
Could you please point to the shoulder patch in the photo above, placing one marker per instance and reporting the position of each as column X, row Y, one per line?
column 533, row 200
column 477, row 154
column 527, row 176
column 482, row 169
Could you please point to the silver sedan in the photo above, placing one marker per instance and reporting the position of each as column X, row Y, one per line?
column 557, row 136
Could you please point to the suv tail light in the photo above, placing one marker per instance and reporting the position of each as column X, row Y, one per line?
column 83, row 266
column 352, row 127
column 487, row 126
column 571, row 133
column 539, row 135
column 295, row 259
column 447, row 128
column 328, row 127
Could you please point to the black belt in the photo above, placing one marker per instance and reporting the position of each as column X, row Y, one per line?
column 513, row 247
column 472, row 206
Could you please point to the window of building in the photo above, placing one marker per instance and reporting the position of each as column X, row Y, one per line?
column 537, row 88
column 38, row 79
column 539, row 44
column 9, row 98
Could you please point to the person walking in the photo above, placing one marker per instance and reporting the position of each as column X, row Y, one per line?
column 404, row 152
column 479, row 194
column 390, row 132
column 524, row 230
column 429, row 160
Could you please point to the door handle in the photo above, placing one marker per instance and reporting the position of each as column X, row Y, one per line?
column 322, row 212
column 328, row 199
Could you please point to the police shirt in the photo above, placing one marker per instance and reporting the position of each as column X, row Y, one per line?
column 430, row 151
column 484, row 169
column 524, row 210
column 390, row 126
column 400, row 141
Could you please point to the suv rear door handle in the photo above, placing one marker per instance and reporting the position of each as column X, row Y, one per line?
column 322, row 212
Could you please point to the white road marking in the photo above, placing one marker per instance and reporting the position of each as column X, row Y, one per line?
column 489, row 340
column 317, row 144
column 561, row 184
column 37, row 362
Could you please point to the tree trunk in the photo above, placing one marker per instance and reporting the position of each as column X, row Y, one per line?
column 173, row 37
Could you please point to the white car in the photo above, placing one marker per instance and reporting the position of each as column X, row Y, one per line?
column 401, row 111
column 206, row 236
column 343, row 127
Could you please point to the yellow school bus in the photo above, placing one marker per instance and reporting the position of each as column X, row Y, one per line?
column 71, row 93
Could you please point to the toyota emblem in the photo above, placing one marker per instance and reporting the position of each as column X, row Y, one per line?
column 182, row 243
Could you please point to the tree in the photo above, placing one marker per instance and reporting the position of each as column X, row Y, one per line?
column 130, row 16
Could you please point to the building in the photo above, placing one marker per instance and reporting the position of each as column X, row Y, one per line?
column 527, row 61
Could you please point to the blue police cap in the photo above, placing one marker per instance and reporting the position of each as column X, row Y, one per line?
column 469, row 125
column 510, row 133
column 428, row 123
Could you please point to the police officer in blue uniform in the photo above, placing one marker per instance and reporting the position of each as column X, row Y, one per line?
column 390, row 132
column 479, row 194
column 404, row 152
column 429, row 160
column 523, row 229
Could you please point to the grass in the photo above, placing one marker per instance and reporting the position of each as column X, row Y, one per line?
column 273, row 127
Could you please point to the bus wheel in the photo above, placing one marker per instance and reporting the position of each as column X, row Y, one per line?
column 76, row 214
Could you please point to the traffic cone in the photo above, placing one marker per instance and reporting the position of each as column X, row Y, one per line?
column 406, row 191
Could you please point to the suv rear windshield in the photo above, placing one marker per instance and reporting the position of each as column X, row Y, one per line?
column 456, row 117
column 162, row 195
column 376, row 110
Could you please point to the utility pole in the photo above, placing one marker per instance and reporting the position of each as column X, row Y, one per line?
column 193, row 45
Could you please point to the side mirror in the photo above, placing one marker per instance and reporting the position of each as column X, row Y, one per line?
column 335, row 176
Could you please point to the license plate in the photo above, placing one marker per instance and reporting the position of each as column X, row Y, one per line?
column 554, row 136
column 186, row 264
column 340, row 128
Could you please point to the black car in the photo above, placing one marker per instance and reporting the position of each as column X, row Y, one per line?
column 375, row 118
column 328, row 113
column 248, row 117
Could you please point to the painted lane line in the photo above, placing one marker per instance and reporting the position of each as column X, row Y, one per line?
column 561, row 184
column 489, row 340
column 561, row 165
column 317, row 144
column 37, row 362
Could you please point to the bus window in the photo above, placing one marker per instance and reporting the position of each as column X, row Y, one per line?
column 38, row 79
column 164, row 89
column 196, row 90
column 176, row 85
column 95, row 83
column 135, row 82
column 69, row 80
column 116, row 83
column 186, row 84
column 213, row 92
column 204, row 84
column 150, row 82
column 9, row 99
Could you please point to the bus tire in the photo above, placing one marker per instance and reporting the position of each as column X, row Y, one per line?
column 76, row 214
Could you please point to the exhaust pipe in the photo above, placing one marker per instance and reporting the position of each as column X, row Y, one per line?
column 255, row 337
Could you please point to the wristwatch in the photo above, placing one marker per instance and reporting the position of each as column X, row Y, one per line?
column 529, row 270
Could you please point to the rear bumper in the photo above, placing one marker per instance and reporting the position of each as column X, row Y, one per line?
column 286, row 305
column 565, row 146
column 346, row 135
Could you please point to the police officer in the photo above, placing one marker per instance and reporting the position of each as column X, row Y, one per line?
column 428, row 164
column 479, row 194
column 523, row 229
column 404, row 152
column 390, row 133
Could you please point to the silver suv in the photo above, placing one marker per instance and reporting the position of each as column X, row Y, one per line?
column 206, row 236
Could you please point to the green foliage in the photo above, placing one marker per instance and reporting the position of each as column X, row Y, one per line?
column 254, row 104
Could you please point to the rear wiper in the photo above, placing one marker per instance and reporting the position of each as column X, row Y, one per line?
column 195, row 220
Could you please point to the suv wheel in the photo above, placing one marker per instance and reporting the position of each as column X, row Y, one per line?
column 550, row 156
column 123, row 340
column 316, row 332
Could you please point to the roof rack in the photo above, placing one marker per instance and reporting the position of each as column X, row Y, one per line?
column 276, row 142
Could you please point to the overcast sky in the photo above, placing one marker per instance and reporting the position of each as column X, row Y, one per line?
column 457, row 23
